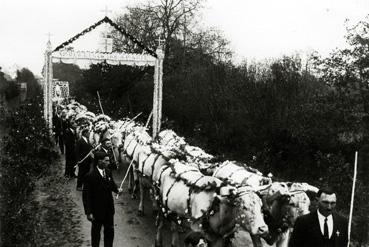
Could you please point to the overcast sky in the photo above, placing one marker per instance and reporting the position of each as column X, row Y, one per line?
column 257, row 29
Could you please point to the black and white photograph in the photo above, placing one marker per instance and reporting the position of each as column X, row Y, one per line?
column 184, row 123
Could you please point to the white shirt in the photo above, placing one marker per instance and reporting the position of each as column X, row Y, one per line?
column 101, row 171
column 329, row 223
column 85, row 139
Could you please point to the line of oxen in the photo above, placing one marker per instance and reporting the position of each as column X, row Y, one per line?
column 192, row 190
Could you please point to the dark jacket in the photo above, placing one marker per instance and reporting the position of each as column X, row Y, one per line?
column 82, row 149
column 97, row 194
column 307, row 233
column 70, row 140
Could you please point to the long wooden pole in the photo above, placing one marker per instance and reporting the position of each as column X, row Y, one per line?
column 148, row 120
column 89, row 153
column 352, row 200
column 102, row 110
column 98, row 97
column 125, row 176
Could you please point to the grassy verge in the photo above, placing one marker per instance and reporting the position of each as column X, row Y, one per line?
column 36, row 206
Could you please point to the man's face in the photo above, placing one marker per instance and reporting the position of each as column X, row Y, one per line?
column 73, row 124
column 326, row 203
column 107, row 144
column 103, row 163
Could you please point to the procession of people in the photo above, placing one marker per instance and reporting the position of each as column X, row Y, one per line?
column 92, row 167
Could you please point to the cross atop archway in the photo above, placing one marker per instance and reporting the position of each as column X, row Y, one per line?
column 106, row 10
column 160, row 41
column 107, row 43
column 48, row 36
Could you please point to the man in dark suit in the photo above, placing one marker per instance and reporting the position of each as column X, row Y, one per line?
column 323, row 227
column 70, row 149
column 98, row 200
column 83, row 147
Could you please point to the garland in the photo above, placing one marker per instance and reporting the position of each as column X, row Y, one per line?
column 113, row 24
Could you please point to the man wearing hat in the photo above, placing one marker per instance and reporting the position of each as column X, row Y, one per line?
column 98, row 200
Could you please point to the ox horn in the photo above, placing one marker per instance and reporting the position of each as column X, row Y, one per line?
column 262, row 187
column 311, row 188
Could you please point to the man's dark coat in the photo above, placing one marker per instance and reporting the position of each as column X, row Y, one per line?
column 70, row 152
column 97, row 194
column 82, row 149
column 307, row 232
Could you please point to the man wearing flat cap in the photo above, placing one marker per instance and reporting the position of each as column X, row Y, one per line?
column 98, row 200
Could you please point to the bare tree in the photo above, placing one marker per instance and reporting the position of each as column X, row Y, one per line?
column 164, row 19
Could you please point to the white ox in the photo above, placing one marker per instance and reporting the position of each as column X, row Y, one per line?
column 134, row 142
column 211, row 207
column 241, row 175
column 283, row 203
column 168, row 145
column 150, row 160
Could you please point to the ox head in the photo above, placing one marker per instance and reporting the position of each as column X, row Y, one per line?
column 116, row 138
column 286, row 202
column 250, row 216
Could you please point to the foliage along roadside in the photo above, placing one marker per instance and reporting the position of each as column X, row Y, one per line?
column 36, row 208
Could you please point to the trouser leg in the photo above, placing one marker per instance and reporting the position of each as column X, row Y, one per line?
column 84, row 167
column 61, row 144
column 95, row 233
column 109, row 231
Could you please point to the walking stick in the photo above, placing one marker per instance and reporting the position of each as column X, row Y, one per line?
column 352, row 200
column 125, row 176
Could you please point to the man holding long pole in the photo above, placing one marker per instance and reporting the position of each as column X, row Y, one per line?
column 98, row 200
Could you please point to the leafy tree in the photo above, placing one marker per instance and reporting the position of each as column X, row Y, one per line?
column 347, row 72
column 67, row 72
column 33, row 87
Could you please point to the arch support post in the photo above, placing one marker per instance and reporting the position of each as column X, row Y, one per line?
column 158, row 93
column 48, row 78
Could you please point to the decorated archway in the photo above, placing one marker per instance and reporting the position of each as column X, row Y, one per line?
column 148, row 58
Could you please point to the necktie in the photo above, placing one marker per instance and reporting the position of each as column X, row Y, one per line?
column 104, row 176
column 326, row 234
